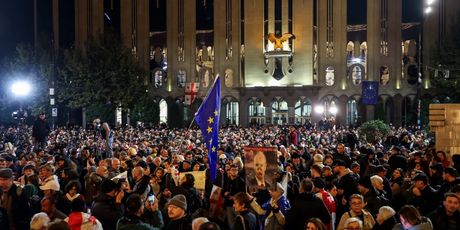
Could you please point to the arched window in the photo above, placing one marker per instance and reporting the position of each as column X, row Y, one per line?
column 302, row 111
column 352, row 111
column 163, row 111
column 232, row 113
column 279, row 111
column 256, row 112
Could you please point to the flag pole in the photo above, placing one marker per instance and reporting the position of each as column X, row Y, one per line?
column 207, row 94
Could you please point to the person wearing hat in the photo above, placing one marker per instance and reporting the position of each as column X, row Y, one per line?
column 273, row 212
column 107, row 205
column 177, row 213
column 450, row 179
column 306, row 206
column 327, row 199
column 424, row 196
column 140, row 215
column 40, row 131
column 14, row 201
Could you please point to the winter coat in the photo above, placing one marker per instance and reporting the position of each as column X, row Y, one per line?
column 425, row 225
column 132, row 222
column 106, row 211
column 440, row 219
column 306, row 206
column 266, row 215
column 387, row 224
column 368, row 220
column 245, row 221
column 184, row 223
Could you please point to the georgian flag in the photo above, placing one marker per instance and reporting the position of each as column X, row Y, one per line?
column 191, row 92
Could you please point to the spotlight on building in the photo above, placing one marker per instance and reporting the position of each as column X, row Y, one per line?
column 428, row 10
column 333, row 110
column 430, row 2
column 20, row 88
column 356, row 60
column 319, row 109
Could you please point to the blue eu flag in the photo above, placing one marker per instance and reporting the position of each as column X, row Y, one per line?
column 207, row 119
column 370, row 95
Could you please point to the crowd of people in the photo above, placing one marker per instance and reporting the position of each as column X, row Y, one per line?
column 124, row 178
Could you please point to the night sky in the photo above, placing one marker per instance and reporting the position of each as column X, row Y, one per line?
column 16, row 19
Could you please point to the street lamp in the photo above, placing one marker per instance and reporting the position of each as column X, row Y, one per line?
column 20, row 88
column 319, row 109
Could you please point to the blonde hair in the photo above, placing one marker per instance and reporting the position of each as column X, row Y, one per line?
column 39, row 221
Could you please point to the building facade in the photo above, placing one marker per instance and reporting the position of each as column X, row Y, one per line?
column 281, row 61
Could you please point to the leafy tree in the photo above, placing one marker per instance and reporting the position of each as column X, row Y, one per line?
column 105, row 73
column 374, row 131
column 447, row 57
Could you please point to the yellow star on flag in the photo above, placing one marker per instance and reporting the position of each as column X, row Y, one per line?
column 210, row 120
column 209, row 129
column 216, row 113
column 213, row 149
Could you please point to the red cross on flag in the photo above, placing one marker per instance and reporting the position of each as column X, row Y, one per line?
column 191, row 92
column 216, row 200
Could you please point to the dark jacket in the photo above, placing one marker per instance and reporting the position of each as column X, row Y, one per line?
column 106, row 211
column 387, row 224
column 306, row 206
column 40, row 130
column 424, row 225
column 20, row 211
column 133, row 222
column 245, row 221
column 441, row 221
column 427, row 202
column 184, row 223
column 373, row 201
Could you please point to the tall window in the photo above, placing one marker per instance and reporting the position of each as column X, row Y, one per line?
column 279, row 112
column 232, row 113
column 302, row 111
column 163, row 111
column 352, row 112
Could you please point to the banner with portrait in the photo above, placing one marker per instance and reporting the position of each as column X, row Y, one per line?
column 261, row 168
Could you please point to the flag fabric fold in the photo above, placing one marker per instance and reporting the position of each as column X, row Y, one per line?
column 207, row 119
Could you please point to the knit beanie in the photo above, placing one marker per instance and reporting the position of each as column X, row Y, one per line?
column 178, row 201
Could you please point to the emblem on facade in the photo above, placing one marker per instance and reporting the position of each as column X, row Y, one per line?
column 278, row 55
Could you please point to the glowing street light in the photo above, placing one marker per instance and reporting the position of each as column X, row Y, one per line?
column 333, row 110
column 430, row 2
column 428, row 9
column 319, row 109
column 21, row 88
